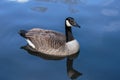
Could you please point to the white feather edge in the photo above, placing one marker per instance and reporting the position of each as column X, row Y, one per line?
column 30, row 43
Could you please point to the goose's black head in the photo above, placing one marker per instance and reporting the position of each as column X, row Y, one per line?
column 70, row 22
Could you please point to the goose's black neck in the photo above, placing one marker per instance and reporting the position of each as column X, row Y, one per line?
column 69, row 36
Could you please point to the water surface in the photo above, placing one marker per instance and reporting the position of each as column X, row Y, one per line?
column 99, row 38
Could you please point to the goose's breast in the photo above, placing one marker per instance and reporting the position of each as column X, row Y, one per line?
column 73, row 46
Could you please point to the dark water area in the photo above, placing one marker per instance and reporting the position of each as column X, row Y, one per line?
column 99, row 38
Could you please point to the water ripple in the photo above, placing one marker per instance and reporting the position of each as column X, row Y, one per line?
column 20, row 1
column 110, row 12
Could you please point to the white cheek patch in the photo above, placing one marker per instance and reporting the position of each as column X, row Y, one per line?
column 68, row 24
column 30, row 43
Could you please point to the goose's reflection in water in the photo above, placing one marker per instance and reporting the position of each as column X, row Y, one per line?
column 72, row 73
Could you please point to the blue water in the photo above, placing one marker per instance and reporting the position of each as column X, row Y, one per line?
column 99, row 38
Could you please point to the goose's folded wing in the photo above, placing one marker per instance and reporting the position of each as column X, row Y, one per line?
column 47, row 41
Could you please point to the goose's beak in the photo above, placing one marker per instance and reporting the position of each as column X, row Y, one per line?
column 76, row 25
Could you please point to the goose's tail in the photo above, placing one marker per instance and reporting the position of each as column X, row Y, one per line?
column 22, row 33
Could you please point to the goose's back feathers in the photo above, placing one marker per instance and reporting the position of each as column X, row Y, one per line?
column 48, row 41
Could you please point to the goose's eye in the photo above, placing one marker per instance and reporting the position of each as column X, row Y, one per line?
column 72, row 22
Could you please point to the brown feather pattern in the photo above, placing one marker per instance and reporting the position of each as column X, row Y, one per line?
column 48, row 41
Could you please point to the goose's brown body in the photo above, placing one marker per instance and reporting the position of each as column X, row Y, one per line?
column 47, row 41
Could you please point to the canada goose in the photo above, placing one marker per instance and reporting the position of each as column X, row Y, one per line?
column 53, row 43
